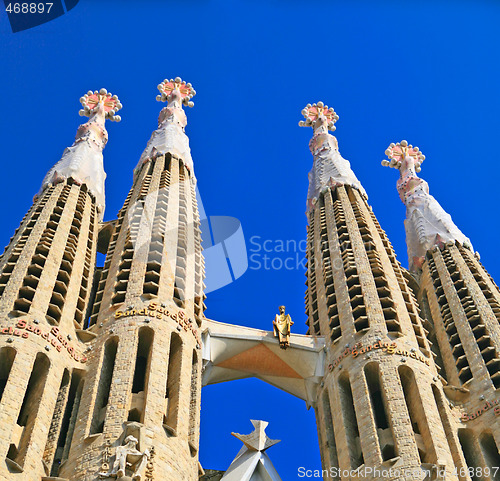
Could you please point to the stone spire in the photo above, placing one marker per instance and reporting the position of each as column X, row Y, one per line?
column 83, row 161
column 257, row 440
column 170, row 136
column 252, row 463
column 329, row 169
column 427, row 224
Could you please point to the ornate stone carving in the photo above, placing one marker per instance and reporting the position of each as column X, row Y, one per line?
column 330, row 169
column 129, row 463
column 427, row 224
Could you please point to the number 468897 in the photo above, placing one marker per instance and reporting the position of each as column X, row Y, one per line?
column 29, row 7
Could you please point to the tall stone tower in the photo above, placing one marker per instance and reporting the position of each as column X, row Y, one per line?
column 462, row 305
column 100, row 368
column 376, row 410
column 45, row 287
column 141, row 400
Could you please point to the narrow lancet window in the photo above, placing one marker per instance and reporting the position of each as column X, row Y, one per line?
column 51, row 447
column 172, row 390
column 330, row 442
column 490, row 451
column 28, row 413
column 423, row 437
column 101, row 402
column 350, row 421
column 469, row 449
column 141, row 373
column 73, row 408
column 7, row 355
column 379, row 410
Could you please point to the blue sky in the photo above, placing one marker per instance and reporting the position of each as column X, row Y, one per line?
column 422, row 71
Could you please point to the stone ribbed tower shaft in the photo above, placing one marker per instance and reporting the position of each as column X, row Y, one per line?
column 46, row 275
column 144, row 375
column 376, row 409
column 462, row 305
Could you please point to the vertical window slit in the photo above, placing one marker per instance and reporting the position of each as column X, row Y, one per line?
column 490, row 450
column 104, row 386
column 141, row 374
column 29, row 410
column 330, row 432
column 7, row 355
column 379, row 410
column 423, row 437
column 350, row 421
column 172, row 389
column 52, row 450
column 469, row 449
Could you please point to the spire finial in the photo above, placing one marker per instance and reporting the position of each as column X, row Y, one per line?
column 83, row 161
column 427, row 224
column 176, row 89
column 170, row 135
column 92, row 100
column 397, row 153
column 317, row 115
column 257, row 440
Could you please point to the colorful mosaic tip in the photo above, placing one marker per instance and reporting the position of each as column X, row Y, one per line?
column 91, row 100
column 398, row 152
column 186, row 90
column 315, row 111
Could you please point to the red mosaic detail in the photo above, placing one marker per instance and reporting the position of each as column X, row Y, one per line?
column 185, row 91
column 110, row 104
column 168, row 87
column 398, row 152
column 313, row 112
column 92, row 101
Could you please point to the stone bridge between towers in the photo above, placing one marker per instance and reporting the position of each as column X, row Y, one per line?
column 233, row 352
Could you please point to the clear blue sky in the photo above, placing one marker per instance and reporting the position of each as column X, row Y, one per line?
column 424, row 71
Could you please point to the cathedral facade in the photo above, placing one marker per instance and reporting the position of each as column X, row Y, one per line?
column 101, row 369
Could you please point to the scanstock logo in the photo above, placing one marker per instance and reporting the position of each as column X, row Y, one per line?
column 25, row 14
column 223, row 243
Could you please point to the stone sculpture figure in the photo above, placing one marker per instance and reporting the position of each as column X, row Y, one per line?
column 281, row 325
column 128, row 457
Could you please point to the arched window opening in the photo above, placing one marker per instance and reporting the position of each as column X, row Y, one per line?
column 7, row 355
column 448, row 428
column 28, row 413
column 68, row 423
column 73, row 408
column 467, row 441
column 172, row 390
column 102, row 398
column 331, row 448
column 490, row 450
column 51, row 447
column 141, row 374
column 350, row 421
column 379, row 410
column 423, row 437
